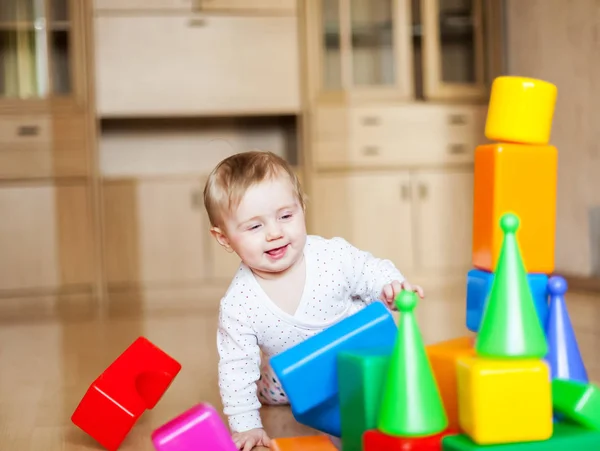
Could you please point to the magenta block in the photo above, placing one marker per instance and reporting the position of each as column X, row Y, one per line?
column 197, row 428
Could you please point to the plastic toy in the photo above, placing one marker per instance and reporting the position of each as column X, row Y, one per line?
column 411, row 405
column 306, row 443
column 308, row 371
column 563, row 356
column 375, row 440
column 443, row 357
column 134, row 382
column 361, row 374
column 577, row 401
column 197, row 428
column 479, row 285
column 510, row 326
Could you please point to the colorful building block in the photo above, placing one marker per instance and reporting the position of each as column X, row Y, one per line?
column 510, row 327
column 374, row 440
column 521, row 179
column 197, row 428
column 563, row 356
column 443, row 357
column 305, row 443
column 134, row 382
column 520, row 110
column 565, row 436
column 361, row 374
column 577, row 401
column 412, row 404
column 479, row 285
column 504, row 400
column 308, row 371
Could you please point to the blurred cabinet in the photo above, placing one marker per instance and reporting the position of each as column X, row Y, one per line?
column 46, row 149
column 419, row 219
column 187, row 64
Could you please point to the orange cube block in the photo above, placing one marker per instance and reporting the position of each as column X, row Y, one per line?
column 443, row 358
column 303, row 443
column 521, row 179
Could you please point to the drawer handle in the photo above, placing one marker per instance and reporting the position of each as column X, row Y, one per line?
column 371, row 120
column 28, row 130
column 457, row 119
column 371, row 150
column 457, row 149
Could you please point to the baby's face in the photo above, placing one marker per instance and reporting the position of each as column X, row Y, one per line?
column 268, row 230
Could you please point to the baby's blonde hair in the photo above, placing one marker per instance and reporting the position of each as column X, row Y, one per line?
column 229, row 180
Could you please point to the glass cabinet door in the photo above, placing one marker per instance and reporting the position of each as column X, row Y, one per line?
column 332, row 52
column 35, row 60
column 454, row 49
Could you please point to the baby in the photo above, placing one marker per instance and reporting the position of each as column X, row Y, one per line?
column 288, row 287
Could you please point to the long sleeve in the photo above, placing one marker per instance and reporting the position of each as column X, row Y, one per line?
column 239, row 366
column 368, row 273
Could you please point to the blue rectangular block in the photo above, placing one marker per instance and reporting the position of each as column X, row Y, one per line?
column 308, row 371
column 479, row 285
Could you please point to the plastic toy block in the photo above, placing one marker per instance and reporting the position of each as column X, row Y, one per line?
column 197, row 428
column 563, row 356
column 134, row 382
column 306, row 443
column 577, row 401
column 510, row 327
column 479, row 285
column 308, row 371
column 520, row 179
column 411, row 404
column 565, row 436
column 504, row 401
column 442, row 357
column 374, row 440
column 360, row 379
column 520, row 110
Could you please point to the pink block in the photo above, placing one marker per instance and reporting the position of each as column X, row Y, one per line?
column 197, row 428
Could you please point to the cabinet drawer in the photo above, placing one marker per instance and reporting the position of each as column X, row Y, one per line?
column 42, row 147
column 143, row 5
column 167, row 65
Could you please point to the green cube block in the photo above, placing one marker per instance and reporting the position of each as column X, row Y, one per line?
column 361, row 375
column 564, row 437
column 577, row 401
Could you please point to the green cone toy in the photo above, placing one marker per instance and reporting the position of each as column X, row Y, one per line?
column 411, row 404
column 510, row 327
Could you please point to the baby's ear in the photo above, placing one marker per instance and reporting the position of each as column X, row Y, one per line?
column 221, row 238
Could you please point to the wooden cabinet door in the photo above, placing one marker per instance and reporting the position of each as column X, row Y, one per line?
column 329, row 206
column 444, row 217
column 155, row 233
column 46, row 237
column 167, row 65
column 253, row 6
column 382, row 216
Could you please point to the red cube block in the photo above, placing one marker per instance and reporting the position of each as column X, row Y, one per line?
column 375, row 440
column 134, row 382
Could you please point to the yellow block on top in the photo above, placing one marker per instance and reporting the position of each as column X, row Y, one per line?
column 504, row 401
column 521, row 179
column 520, row 110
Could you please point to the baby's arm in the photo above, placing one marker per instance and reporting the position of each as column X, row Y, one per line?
column 367, row 274
column 239, row 366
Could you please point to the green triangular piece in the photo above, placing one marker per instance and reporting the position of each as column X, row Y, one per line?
column 411, row 404
column 510, row 327
column 578, row 401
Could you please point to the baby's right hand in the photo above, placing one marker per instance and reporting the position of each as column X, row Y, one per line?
column 247, row 440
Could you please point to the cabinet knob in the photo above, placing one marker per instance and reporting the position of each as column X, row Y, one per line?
column 423, row 191
column 457, row 119
column 371, row 150
column 457, row 149
column 197, row 199
column 405, row 191
column 28, row 130
column 371, row 120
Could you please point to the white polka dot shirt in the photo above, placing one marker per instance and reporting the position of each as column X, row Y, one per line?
column 340, row 280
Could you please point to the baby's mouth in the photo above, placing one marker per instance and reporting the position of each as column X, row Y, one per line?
column 276, row 250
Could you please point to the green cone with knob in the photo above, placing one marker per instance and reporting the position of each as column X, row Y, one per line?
column 411, row 404
column 510, row 327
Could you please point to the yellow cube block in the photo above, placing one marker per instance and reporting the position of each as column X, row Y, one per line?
column 520, row 110
column 504, row 401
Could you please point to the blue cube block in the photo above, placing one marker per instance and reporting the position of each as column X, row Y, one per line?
column 308, row 371
column 479, row 285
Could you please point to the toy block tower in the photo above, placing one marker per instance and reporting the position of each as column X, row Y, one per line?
column 504, row 390
column 518, row 174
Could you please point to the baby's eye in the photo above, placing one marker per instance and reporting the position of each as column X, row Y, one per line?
column 286, row 216
column 254, row 227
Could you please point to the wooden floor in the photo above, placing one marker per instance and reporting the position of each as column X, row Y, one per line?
column 46, row 366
